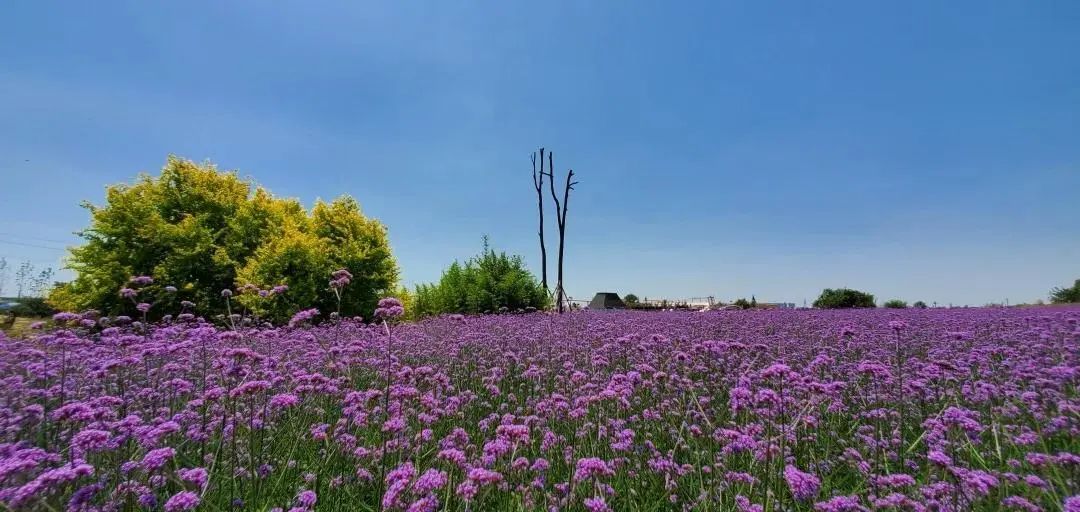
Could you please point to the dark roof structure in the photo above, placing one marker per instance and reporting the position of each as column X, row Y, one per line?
column 607, row 300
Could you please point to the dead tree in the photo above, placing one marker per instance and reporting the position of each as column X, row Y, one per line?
column 538, row 183
column 561, row 300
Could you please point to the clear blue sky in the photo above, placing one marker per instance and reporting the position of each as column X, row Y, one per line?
column 921, row 150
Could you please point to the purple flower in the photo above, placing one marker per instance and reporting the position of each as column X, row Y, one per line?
column 596, row 504
column 182, row 501
column 939, row 458
column 156, row 459
column 340, row 278
column 64, row 317
column 142, row 280
column 803, row 486
column 90, row 440
column 128, row 293
column 590, row 467
column 197, row 476
column 306, row 499
column 303, row 316
column 432, row 480
column 389, row 308
column 840, row 504
column 1020, row 503
column 250, row 388
column 484, row 476
column 284, row 400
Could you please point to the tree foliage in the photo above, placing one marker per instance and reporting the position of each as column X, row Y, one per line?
column 1066, row 295
column 487, row 282
column 203, row 230
column 631, row 300
column 919, row 305
column 841, row 298
column 895, row 304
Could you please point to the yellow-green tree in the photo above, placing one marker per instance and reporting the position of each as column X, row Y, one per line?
column 203, row 230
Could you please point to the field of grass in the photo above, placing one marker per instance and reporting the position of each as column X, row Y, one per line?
column 949, row 410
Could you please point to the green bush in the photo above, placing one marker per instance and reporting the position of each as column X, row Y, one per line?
column 202, row 231
column 841, row 298
column 631, row 300
column 895, row 304
column 1066, row 295
column 919, row 305
column 486, row 283
column 35, row 307
column 742, row 304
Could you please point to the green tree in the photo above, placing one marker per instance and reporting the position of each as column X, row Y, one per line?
column 487, row 282
column 844, row 298
column 1066, row 295
column 631, row 300
column 203, row 230
column 919, row 305
column 742, row 304
column 895, row 304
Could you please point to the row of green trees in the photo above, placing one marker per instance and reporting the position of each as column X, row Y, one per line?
column 842, row 298
column 197, row 231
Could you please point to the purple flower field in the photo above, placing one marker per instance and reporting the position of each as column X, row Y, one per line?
column 961, row 409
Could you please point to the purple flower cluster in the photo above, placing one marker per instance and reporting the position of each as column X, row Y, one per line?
column 340, row 278
column 389, row 309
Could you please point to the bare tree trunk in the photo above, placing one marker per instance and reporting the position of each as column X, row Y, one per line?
column 538, row 183
column 560, row 218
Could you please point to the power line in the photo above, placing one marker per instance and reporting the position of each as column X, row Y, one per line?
column 39, row 239
column 12, row 242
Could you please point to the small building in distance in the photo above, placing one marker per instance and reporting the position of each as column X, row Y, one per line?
column 607, row 300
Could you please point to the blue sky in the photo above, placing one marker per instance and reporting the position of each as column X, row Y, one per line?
column 921, row 150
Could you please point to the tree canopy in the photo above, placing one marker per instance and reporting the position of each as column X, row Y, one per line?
column 202, row 230
column 895, row 304
column 841, row 298
column 1066, row 295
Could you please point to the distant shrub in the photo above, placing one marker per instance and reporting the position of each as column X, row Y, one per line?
column 631, row 300
column 488, row 282
column 741, row 304
column 843, row 298
column 895, row 304
column 33, row 307
column 919, row 305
